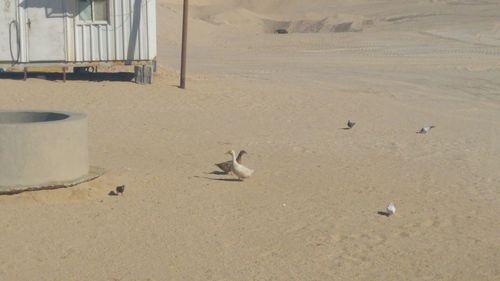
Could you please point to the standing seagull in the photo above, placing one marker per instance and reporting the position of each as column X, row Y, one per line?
column 239, row 170
column 120, row 189
column 391, row 209
column 350, row 124
column 425, row 130
column 226, row 166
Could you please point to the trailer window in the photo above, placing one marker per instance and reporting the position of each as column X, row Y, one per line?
column 93, row 10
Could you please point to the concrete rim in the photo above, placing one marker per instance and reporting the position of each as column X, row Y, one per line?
column 94, row 173
column 43, row 149
column 71, row 116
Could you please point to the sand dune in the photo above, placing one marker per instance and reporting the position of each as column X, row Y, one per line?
column 243, row 19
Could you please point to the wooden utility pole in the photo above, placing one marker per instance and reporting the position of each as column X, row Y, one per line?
column 184, row 43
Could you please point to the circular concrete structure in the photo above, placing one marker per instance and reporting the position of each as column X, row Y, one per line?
column 40, row 149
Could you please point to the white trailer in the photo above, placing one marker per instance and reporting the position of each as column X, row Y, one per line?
column 78, row 34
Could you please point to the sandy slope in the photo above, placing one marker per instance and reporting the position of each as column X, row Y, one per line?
column 310, row 211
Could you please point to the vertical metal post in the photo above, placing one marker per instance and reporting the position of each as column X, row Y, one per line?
column 184, row 43
column 64, row 74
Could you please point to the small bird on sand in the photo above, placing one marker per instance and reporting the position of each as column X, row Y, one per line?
column 391, row 209
column 120, row 189
column 425, row 130
column 226, row 166
column 239, row 170
column 350, row 124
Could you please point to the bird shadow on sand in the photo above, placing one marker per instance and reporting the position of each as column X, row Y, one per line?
column 345, row 128
column 214, row 179
column 219, row 173
column 383, row 213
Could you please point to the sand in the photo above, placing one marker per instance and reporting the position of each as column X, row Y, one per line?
column 310, row 210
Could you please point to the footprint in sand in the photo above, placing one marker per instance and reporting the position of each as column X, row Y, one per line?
column 355, row 247
column 418, row 228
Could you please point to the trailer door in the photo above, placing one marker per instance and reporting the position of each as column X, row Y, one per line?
column 45, row 28
column 9, row 32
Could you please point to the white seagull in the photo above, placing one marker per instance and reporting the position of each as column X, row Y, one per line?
column 425, row 130
column 239, row 170
column 391, row 209
column 226, row 166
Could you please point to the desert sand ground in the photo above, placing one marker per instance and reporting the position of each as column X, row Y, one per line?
column 310, row 210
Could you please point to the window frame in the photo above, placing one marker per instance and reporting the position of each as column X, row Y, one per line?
column 92, row 13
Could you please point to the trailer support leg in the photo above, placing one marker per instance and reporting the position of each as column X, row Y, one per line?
column 25, row 74
column 143, row 74
column 64, row 74
column 155, row 66
column 139, row 74
column 148, row 74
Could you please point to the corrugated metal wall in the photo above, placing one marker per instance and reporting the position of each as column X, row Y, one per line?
column 130, row 34
column 12, row 34
column 26, row 27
